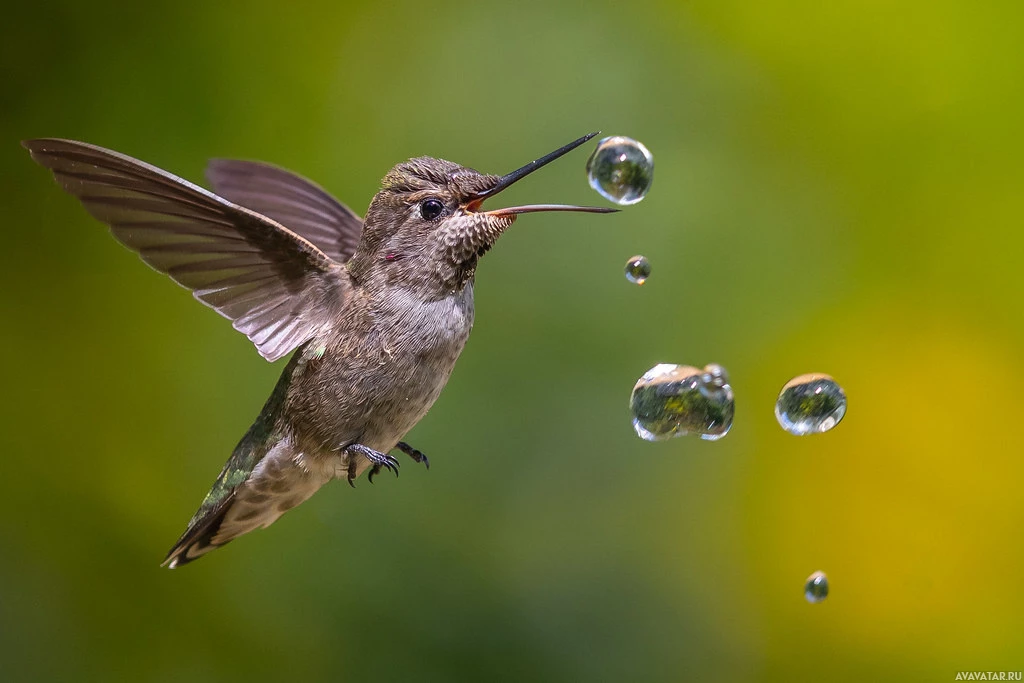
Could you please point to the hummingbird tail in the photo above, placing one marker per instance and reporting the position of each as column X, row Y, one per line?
column 197, row 540
column 259, row 483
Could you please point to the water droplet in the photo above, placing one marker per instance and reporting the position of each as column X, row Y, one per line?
column 621, row 170
column 714, row 375
column 816, row 588
column 638, row 269
column 810, row 404
column 674, row 400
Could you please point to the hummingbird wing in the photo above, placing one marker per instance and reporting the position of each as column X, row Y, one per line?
column 291, row 200
column 276, row 287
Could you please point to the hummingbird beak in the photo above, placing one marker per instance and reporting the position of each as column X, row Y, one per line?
column 474, row 202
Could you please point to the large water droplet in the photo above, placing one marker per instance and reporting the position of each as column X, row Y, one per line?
column 638, row 269
column 810, row 404
column 816, row 588
column 675, row 400
column 621, row 169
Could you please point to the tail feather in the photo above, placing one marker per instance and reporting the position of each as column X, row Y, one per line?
column 245, row 499
column 199, row 539
column 260, row 480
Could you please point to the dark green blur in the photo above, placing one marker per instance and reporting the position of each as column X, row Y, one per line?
column 838, row 190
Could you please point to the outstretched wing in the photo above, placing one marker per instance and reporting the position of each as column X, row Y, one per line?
column 291, row 200
column 277, row 288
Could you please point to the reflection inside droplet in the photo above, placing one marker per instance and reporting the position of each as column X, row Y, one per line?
column 816, row 587
column 674, row 400
column 638, row 269
column 810, row 404
column 621, row 170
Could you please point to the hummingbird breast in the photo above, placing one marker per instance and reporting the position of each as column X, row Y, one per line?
column 378, row 374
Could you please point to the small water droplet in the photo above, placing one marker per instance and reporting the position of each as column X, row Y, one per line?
column 810, row 404
column 638, row 269
column 816, row 588
column 714, row 375
column 621, row 170
column 674, row 400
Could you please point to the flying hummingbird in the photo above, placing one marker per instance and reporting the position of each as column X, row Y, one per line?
column 376, row 310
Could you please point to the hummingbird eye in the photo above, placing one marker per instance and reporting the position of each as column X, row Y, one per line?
column 431, row 208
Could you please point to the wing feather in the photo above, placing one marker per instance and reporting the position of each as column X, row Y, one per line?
column 277, row 287
column 291, row 200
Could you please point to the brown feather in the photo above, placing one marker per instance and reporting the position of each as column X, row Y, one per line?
column 277, row 287
column 291, row 200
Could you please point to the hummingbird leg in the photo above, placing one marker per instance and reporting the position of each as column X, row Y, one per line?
column 417, row 455
column 414, row 453
column 378, row 459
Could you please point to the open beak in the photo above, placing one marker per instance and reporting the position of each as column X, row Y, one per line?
column 474, row 202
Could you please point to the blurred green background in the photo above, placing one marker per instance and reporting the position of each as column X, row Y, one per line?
column 838, row 190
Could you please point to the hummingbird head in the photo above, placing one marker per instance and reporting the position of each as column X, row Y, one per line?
column 428, row 223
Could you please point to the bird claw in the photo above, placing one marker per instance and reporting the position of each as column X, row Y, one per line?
column 374, row 471
column 415, row 454
column 352, row 473
column 378, row 459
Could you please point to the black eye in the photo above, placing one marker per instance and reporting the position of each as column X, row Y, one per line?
column 431, row 208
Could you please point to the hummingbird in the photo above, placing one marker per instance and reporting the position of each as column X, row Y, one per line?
column 376, row 310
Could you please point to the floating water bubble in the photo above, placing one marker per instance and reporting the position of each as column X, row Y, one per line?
column 621, row 170
column 714, row 375
column 674, row 400
column 810, row 404
column 638, row 269
column 816, row 588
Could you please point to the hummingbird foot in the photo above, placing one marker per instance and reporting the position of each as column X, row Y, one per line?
column 378, row 459
column 417, row 455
